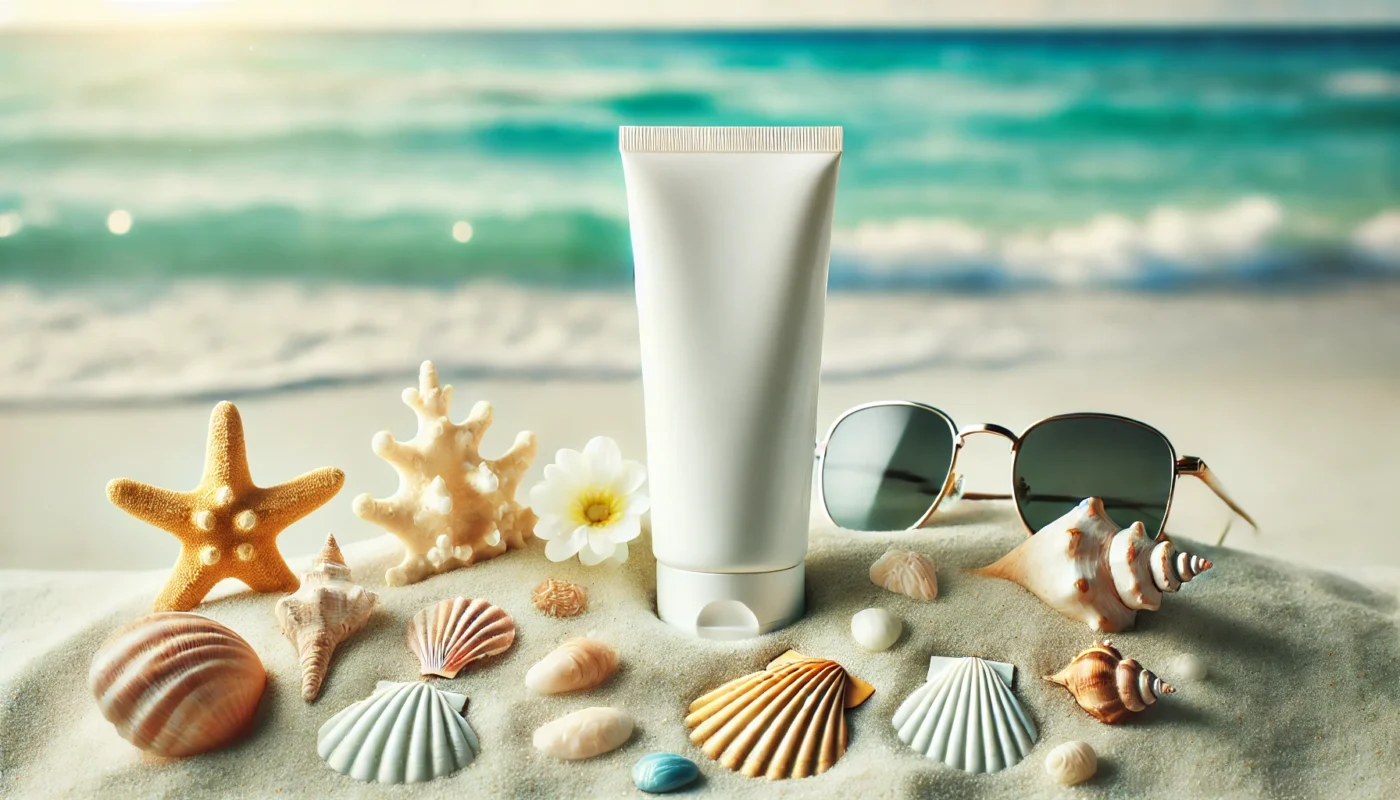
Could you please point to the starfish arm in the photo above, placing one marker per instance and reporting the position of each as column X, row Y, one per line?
column 189, row 582
column 281, row 505
column 226, row 456
column 164, row 508
column 267, row 572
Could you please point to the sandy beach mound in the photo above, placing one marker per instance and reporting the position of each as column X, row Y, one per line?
column 1301, row 700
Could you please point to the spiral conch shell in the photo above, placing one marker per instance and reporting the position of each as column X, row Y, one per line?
column 788, row 721
column 573, row 666
column 1087, row 568
column 176, row 684
column 906, row 572
column 325, row 611
column 448, row 636
column 1111, row 688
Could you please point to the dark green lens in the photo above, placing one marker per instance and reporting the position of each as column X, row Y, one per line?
column 1062, row 461
column 885, row 465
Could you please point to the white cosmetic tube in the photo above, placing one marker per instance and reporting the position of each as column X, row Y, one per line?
column 731, row 238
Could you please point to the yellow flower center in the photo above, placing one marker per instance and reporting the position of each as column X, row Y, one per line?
column 598, row 508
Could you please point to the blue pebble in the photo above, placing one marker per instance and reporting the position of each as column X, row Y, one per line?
column 663, row 772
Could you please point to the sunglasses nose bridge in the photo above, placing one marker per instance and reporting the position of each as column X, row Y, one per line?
column 989, row 428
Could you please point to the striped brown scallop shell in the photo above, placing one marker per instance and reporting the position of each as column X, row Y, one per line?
column 448, row 636
column 788, row 721
column 176, row 684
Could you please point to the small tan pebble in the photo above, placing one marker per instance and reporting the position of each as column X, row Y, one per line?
column 875, row 629
column 1071, row 763
column 556, row 598
column 1187, row 667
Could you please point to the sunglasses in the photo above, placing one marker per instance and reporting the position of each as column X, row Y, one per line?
column 888, row 465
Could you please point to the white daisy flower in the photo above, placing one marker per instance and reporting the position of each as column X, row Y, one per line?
column 590, row 503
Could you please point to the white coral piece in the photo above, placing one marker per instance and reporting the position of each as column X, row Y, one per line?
column 453, row 508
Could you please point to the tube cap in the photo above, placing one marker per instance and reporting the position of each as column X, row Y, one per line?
column 730, row 605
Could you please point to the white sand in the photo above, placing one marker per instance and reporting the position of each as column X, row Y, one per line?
column 1291, row 400
column 1301, row 700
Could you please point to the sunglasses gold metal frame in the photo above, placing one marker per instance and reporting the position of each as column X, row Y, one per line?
column 1183, row 465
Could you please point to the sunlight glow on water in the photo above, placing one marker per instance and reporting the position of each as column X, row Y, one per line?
column 119, row 222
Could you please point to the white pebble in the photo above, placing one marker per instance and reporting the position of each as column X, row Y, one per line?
column 1187, row 667
column 1071, row 763
column 875, row 629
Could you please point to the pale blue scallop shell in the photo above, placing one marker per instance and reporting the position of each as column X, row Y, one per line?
column 663, row 772
column 403, row 733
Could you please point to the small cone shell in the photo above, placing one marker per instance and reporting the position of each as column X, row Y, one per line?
column 325, row 611
column 1108, row 686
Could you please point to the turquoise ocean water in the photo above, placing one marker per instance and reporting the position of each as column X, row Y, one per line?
column 973, row 160
column 197, row 215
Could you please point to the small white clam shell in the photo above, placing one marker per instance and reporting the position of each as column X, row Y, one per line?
column 1071, row 763
column 875, row 629
column 1187, row 667
column 907, row 573
column 584, row 734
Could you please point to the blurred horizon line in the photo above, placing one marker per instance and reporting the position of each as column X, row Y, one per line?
column 1299, row 27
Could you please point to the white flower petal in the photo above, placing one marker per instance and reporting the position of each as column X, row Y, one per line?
column 604, row 458
column 638, row 504
column 619, row 554
column 601, row 542
column 590, row 556
column 570, row 462
column 565, row 547
column 551, row 526
column 633, row 476
column 552, row 497
column 625, row 529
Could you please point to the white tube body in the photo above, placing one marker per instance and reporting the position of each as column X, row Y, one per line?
column 731, row 231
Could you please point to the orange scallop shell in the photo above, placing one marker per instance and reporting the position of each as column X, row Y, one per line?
column 176, row 684
column 448, row 636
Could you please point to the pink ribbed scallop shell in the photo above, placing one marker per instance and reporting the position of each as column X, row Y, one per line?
column 176, row 684
column 450, row 635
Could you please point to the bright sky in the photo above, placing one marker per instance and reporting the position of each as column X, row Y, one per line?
column 686, row 13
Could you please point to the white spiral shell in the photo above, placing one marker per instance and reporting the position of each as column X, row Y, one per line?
column 403, row 733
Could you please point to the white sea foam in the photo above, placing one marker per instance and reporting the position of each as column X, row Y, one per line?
column 1363, row 83
column 1108, row 249
column 1377, row 239
column 204, row 339
column 211, row 339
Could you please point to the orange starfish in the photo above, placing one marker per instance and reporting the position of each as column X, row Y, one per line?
column 227, row 526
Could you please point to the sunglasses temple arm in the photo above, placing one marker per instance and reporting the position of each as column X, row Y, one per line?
column 1190, row 465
